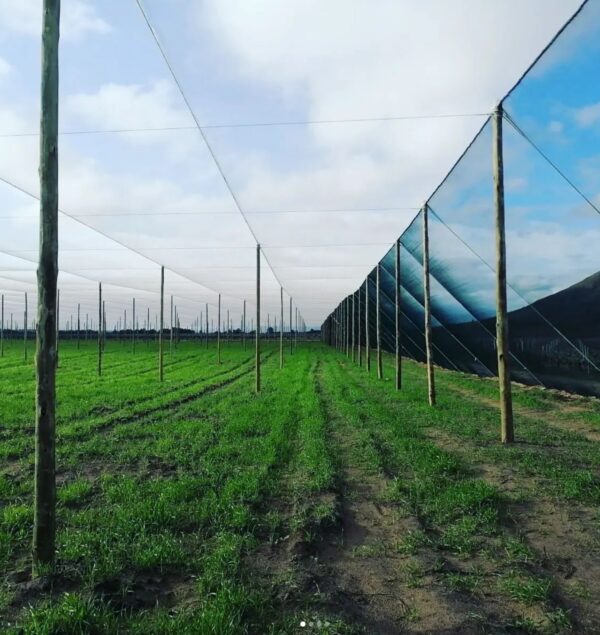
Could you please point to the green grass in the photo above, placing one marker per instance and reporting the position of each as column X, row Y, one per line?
column 168, row 493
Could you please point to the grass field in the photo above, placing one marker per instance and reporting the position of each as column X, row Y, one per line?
column 328, row 504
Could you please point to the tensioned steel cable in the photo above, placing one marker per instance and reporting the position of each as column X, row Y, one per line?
column 509, row 285
column 391, row 275
column 101, row 233
column 258, row 124
column 202, row 133
column 523, row 134
column 15, row 254
column 411, row 251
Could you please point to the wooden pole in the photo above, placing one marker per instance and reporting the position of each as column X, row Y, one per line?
column 133, row 329
column 171, row 330
column 281, row 329
column 359, row 330
column 427, row 306
column 44, row 523
column 378, row 303
column 367, row 338
column 502, row 343
column 78, row 324
column 25, row 329
column 219, row 332
column 257, row 318
column 291, row 325
column 352, row 327
column 244, row 327
column 161, row 326
column 397, row 318
column 57, row 322
column 100, row 329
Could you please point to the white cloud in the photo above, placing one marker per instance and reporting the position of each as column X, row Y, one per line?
column 588, row 115
column 78, row 18
column 118, row 106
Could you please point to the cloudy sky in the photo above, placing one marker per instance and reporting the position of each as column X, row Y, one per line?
column 325, row 199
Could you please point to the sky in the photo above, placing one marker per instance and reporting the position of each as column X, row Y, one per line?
column 325, row 199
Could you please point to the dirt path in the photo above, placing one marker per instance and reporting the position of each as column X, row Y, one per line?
column 563, row 536
column 359, row 564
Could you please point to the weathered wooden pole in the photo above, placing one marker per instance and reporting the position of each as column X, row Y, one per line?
column 397, row 308
column 207, row 325
column 171, row 330
column 44, row 519
column 244, row 327
column 502, row 343
column 161, row 326
column 281, row 328
column 359, row 330
column 219, row 331
column 367, row 337
column 378, row 323
column 352, row 327
column 257, row 318
column 100, row 322
column 25, row 319
column 57, row 322
column 427, row 306
column 291, row 325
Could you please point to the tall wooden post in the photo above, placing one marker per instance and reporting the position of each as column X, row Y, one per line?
column 25, row 320
column 162, row 321
column 78, row 324
column 57, row 326
column 44, row 523
column 378, row 323
column 367, row 337
column 133, row 329
column 219, row 331
column 281, row 328
column 291, row 325
column 257, row 318
column 427, row 306
column 207, row 325
column 359, row 330
column 352, row 326
column 397, row 308
column 502, row 343
column 100, row 322
column 171, row 330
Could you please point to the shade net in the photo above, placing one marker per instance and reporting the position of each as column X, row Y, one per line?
column 550, row 139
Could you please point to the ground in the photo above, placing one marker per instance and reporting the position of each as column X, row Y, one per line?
column 331, row 503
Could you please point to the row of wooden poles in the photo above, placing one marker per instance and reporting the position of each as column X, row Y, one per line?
column 340, row 328
column 199, row 328
column 44, row 530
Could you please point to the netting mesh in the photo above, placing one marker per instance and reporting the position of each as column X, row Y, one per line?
column 550, row 134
